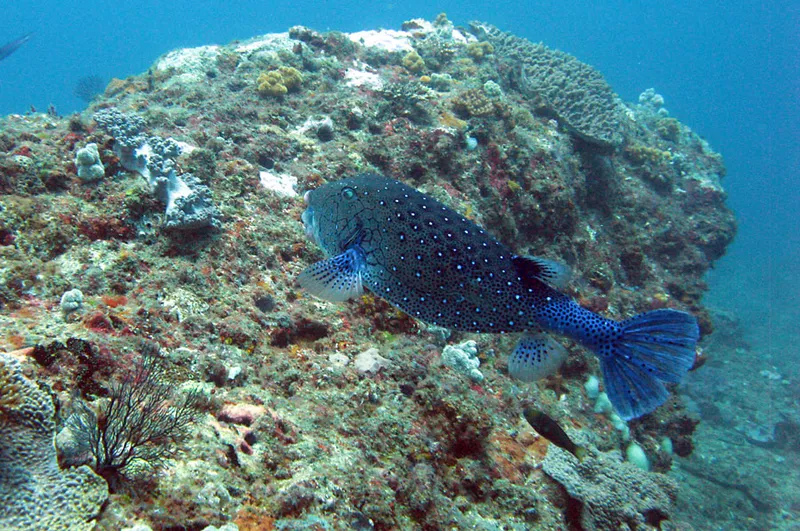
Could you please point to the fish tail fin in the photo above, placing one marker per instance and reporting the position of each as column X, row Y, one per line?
column 652, row 348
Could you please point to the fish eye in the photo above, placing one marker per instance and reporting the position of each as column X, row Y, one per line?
column 348, row 193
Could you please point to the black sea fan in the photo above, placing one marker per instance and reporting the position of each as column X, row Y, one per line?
column 87, row 88
column 143, row 421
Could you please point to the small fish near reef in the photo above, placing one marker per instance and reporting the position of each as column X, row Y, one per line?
column 437, row 266
column 550, row 430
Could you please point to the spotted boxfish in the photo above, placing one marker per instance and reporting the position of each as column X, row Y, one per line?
column 438, row 266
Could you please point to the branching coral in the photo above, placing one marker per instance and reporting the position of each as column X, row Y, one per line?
column 473, row 102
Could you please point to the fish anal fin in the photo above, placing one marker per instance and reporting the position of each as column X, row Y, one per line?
column 535, row 357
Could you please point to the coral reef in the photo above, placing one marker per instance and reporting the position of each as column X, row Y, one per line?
column 333, row 415
column 279, row 82
column 560, row 84
column 612, row 494
column 35, row 492
column 188, row 201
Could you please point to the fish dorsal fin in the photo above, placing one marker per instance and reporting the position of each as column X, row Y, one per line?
column 536, row 356
column 548, row 271
column 336, row 279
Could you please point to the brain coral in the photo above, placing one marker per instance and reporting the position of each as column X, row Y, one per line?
column 559, row 84
column 613, row 494
column 34, row 492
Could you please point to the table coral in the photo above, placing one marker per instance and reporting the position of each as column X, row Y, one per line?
column 558, row 82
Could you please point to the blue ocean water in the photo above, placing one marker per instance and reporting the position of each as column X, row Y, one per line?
column 730, row 70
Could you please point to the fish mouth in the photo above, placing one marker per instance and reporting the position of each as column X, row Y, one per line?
column 309, row 222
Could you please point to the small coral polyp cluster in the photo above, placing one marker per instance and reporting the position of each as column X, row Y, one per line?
column 182, row 226
column 279, row 82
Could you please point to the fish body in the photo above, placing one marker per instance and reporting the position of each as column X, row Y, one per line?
column 438, row 266
column 550, row 430
column 11, row 47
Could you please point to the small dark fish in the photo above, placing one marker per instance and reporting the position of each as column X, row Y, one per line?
column 550, row 430
column 11, row 47
column 438, row 266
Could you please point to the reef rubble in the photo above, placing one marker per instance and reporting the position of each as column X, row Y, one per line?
column 191, row 240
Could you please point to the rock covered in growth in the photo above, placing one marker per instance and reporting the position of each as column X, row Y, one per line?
column 34, row 492
column 464, row 359
column 613, row 494
column 188, row 201
column 88, row 163
column 560, row 84
column 254, row 339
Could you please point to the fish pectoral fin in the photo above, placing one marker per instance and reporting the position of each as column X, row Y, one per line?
column 544, row 270
column 536, row 356
column 336, row 279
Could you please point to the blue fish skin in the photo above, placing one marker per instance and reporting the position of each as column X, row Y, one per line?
column 442, row 268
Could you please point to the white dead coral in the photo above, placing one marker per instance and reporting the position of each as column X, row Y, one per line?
column 464, row 359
